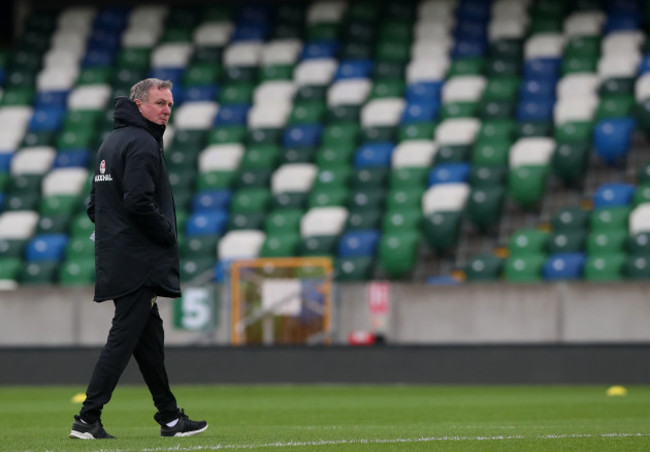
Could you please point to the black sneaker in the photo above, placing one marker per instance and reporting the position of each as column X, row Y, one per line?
column 88, row 431
column 184, row 427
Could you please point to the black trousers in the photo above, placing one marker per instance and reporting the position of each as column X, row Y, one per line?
column 136, row 330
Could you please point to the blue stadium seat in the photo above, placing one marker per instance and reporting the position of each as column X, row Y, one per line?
column 111, row 19
column 175, row 74
column 358, row 243
column 104, row 40
column 612, row 139
column 644, row 64
column 421, row 111
column 465, row 47
column 5, row 161
column 45, row 99
column 535, row 110
column 70, row 159
column 420, row 91
column 536, row 89
column 303, row 135
column 354, row 69
column 222, row 270
column 200, row 93
column 622, row 21
column 564, row 266
column 46, row 247
column 546, row 68
column 98, row 58
column 249, row 31
column 319, row 49
column 374, row 155
column 47, row 119
column 2, row 201
column 211, row 200
column 614, row 194
column 253, row 13
column 231, row 115
column 206, row 222
column 449, row 172
column 468, row 28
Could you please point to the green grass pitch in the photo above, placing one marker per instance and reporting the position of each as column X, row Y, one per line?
column 342, row 418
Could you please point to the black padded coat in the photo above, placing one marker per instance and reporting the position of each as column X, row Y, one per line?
column 132, row 206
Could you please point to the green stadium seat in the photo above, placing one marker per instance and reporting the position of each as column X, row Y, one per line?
column 209, row 180
column 77, row 272
column 204, row 73
column 405, row 177
column 53, row 223
column 571, row 218
column 485, row 206
column 250, row 199
column 526, row 241
column 253, row 177
column 441, row 230
column 307, row 113
column 402, row 220
column 502, row 88
column 328, row 195
column 484, row 267
column 80, row 247
column 366, row 218
column 567, row 241
column 353, row 269
column 524, row 268
column 199, row 246
column 416, row 131
column 404, row 198
column 280, row 244
column 81, row 226
column 570, row 162
column 289, row 200
column 10, row 268
column 246, row 220
column 605, row 267
column 283, row 220
column 318, row 245
column 641, row 194
column 609, row 218
column 491, row 154
column 261, row 156
column 488, row 176
column 196, row 267
column 39, row 273
column 398, row 251
column 637, row 267
column 226, row 134
column 527, row 184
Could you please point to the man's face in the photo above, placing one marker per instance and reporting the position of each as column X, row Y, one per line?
column 158, row 107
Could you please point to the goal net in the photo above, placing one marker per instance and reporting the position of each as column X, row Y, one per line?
column 281, row 301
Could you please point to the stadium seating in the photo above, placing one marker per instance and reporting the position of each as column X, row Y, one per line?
column 364, row 131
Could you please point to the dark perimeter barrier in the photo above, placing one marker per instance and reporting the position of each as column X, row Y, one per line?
column 383, row 364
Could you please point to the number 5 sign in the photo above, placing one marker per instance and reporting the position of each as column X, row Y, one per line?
column 195, row 310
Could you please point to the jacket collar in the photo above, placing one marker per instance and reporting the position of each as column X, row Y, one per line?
column 127, row 114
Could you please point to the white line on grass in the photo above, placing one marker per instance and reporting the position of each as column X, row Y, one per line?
column 391, row 441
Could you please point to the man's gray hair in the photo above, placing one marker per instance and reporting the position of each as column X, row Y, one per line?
column 141, row 89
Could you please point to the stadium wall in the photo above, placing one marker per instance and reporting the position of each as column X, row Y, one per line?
column 559, row 313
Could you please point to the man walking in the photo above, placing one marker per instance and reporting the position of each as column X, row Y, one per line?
column 136, row 257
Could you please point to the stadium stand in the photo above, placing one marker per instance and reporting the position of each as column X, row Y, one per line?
column 482, row 140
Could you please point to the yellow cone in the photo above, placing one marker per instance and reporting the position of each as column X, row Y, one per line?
column 616, row 391
column 79, row 397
